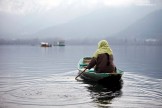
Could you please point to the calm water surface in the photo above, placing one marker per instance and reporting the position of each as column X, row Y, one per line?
column 35, row 77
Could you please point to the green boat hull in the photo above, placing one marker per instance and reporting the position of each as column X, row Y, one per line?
column 91, row 75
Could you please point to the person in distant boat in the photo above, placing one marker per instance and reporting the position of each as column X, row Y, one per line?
column 102, row 60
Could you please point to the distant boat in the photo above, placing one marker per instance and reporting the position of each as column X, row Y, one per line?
column 91, row 75
column 59, row 43
column 45, row 44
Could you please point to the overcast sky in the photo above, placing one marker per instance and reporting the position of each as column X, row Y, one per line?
column 34, row 15
column 31, row 6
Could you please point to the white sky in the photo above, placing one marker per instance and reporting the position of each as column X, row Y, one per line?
column 33, row 15
column 31, row 6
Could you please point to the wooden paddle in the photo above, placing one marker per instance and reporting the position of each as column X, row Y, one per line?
column 80, row 73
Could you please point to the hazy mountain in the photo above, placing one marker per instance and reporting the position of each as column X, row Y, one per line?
column 148, row 27
column 101, row 23
column 19, row 25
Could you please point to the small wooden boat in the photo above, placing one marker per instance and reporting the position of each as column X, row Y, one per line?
column 91, row 75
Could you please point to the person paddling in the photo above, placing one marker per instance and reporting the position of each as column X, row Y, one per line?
column 102, row 59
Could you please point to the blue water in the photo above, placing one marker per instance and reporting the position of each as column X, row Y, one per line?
column 35, row 77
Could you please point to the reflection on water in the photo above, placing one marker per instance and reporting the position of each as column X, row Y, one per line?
column 104, row 93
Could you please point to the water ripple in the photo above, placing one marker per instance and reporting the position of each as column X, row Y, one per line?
column 61, row 89
column 142, row 90
column 49, row 91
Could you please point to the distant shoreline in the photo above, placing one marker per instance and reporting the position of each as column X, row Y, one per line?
column 35, row 42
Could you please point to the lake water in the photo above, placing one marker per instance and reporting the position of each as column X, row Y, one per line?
column 35, row 77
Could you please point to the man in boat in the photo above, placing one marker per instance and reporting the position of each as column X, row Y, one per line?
column 102, row 59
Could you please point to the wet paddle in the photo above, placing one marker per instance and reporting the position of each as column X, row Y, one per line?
column 80, row 73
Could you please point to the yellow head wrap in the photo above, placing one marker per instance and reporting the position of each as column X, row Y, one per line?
column 103, row 47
